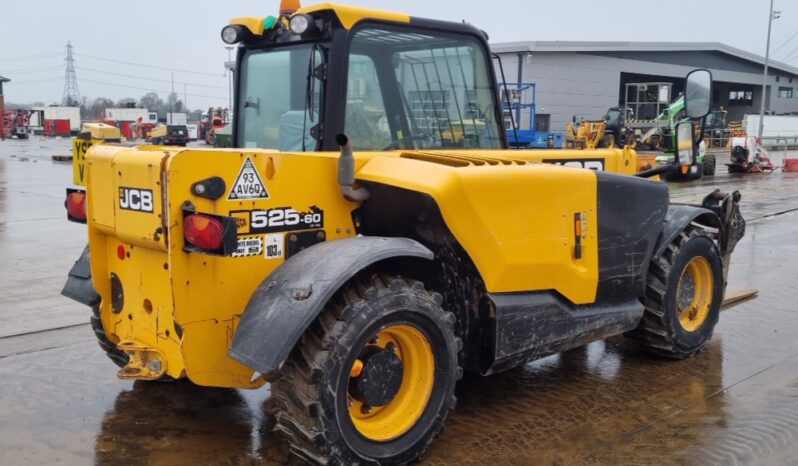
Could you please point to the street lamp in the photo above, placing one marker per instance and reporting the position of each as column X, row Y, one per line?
column 771, row 16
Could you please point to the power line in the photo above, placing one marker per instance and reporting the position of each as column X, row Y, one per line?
column 786, row 42
column 148, row 90
column 30, row 57
column 33, row 70
column 36, row 81
column 148, row 78
column 790, row 55
column 111, row 60
column 46, row 80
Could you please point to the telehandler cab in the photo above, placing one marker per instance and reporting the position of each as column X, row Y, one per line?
column 371, row 237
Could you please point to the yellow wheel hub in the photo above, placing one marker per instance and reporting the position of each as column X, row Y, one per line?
column 694, row 294
column 391, row 420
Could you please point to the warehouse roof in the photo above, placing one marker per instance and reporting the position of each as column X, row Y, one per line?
column 576, row 46
column 4, row 80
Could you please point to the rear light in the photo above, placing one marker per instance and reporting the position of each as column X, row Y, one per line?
column 76, row 205
column 204, row 231
column 209, row 233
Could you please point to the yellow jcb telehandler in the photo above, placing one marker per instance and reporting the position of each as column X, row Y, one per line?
column 360, row 265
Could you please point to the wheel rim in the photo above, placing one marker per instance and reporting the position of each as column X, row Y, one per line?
column 694, row 294
column 403, row 410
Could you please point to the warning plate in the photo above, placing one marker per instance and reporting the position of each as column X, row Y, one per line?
column 249, row 184
column 274, row 246
column 249, row 246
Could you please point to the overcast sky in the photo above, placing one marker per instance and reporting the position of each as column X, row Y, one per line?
column 184, row 36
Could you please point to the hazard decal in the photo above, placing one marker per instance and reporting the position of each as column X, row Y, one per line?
column 249, row 246
column 249, row 184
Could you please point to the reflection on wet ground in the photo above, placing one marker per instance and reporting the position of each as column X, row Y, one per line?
column 606, row 403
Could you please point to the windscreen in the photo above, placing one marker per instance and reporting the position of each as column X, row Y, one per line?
column 613, row 117
column 422, row 89
column 279, row 106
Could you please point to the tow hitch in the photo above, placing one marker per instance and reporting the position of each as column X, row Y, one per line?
column 145, row 363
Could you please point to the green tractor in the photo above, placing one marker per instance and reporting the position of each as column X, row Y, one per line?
column 667, row 137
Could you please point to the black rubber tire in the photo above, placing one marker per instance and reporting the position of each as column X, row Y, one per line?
column 709, row 164
column 311, row 391
column 659, row 331
column 117, row 356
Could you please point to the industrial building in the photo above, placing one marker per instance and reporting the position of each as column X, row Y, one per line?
column 584, row 79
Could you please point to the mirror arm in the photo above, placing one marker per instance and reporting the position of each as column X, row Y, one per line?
column 703, row 129
column 656, row 171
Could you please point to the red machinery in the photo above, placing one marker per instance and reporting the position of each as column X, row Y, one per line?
column 2, row 111
column 15, row 123
column 742, row 162
column 215, row 119
column 140, row 129
column 791, row 165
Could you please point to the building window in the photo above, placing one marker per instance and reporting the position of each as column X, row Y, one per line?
column 785, row 93
column 542, row 122
column 741, row 98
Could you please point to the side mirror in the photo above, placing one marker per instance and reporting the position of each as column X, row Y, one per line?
column 698, row 94
column 685, row 143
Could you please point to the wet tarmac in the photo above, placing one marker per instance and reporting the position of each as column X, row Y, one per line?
column 734, row 403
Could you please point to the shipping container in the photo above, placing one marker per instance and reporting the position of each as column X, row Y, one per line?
column 176, row 118
column 193, row 131
column 131, row 114
column 776, row 126
column 125, row 129
column 72, row 114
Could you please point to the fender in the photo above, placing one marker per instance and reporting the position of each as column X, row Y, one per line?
column 679, row 216
column 79, row 286
column 294, row 294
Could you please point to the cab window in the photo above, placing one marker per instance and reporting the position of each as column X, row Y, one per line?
column 419, row 90
column 279, row 104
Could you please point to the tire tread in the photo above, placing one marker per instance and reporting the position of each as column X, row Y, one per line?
column 653, row 333
column 299, row 417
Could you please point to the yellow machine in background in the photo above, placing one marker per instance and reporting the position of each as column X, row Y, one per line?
column 588, row 135
column 90, row 135
column 158, row 131
column 591, row 134
column 358, row 265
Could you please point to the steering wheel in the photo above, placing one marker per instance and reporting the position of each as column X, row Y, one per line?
column 412, row 137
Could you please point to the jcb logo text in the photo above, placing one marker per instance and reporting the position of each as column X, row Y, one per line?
column 135, row 199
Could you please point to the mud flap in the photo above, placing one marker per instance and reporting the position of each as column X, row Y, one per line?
column 79, row 286
column 732, row 224
column 294, row 294
column 727, row 208
column 718, row 210
column 678, row 218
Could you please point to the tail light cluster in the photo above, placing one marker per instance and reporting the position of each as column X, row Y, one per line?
column 208, row 233
column 76, row 205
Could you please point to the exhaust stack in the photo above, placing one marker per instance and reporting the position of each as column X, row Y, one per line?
column 346, row 172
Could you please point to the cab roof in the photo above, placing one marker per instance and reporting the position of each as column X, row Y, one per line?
column 348, row 15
